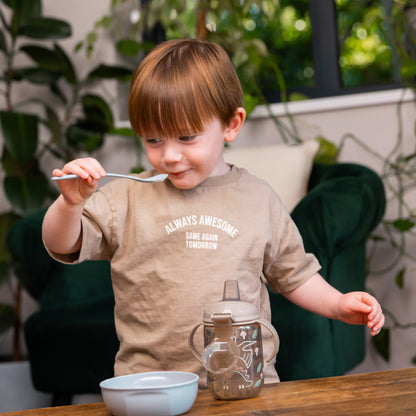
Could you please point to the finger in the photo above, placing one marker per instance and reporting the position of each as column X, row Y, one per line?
column 57, row 172
column 361, row 306
column 377, row 328
column 376, row 314
column 94, row 167
column 378, row 323
column 85, row 168
column 368, row 299
column 375, row 331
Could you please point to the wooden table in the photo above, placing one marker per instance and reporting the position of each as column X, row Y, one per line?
column 389, row 393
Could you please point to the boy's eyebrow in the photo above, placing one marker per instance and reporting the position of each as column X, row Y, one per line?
column 189, row 134
column 160, row 136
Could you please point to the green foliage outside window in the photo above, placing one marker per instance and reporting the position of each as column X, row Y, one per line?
column 269, row 41
column 366, row 55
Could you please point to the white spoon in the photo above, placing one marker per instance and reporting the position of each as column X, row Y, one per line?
column 156, row 178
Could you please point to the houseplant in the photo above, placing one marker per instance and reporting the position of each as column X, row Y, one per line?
column 59, row 117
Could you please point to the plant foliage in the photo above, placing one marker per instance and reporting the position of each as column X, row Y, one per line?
column 60, row 109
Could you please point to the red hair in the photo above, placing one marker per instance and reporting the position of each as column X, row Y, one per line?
column 180, row 86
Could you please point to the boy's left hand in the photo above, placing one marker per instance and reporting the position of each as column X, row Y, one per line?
column 361, row 308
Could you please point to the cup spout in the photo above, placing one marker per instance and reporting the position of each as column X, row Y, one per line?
column 231, row 291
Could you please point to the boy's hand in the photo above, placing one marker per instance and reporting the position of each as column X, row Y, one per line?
column 76, row 191
column 361, row 308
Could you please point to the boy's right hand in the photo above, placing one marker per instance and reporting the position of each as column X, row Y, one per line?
column 77, row 191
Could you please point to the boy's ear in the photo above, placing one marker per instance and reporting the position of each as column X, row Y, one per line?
column 231, row 132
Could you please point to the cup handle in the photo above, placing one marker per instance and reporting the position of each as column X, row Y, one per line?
column 192, row 345
column 276, row 340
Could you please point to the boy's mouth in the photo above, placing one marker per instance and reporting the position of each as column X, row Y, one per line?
column 181, row 173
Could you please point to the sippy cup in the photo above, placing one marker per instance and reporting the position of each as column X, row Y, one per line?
column 233, row 354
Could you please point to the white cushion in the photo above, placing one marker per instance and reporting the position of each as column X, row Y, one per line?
column 286, row 168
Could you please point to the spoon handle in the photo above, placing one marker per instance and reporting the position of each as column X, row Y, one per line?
column 156, row 178
column 63, row 177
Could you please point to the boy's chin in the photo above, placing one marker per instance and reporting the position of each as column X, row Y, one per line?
column 185, row 183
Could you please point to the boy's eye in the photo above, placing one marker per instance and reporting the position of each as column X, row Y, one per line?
column 152, row 141
column 186, row 138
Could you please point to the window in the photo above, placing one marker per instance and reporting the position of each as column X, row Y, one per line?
column 282, row 48
column 327, row 47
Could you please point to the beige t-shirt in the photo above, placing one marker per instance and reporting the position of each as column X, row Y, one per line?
column 171, row 251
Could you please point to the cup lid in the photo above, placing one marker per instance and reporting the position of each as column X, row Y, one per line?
column 231, row 305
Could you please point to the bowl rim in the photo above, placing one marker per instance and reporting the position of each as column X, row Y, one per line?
column 104, row 384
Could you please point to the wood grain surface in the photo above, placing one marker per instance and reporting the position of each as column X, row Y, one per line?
column 385, row 393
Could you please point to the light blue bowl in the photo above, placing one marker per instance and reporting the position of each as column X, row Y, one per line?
column 163, row 393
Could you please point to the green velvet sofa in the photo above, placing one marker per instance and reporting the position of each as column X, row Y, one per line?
column 71, row 340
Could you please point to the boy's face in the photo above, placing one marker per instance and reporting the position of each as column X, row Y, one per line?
column 189, row 160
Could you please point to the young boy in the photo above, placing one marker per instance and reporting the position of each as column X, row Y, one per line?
column 173, row 244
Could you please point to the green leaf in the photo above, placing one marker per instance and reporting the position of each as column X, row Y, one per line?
column 377, row 238
column 54, row 125
column 250, row 102
column 45, row 28
column 31, row 8
column 298, row 96
column 4, row 271
column 25, row 8
column 20, row 132
column 408, row 69
column 414, row 360
column 105, row 22
column 7, row 220
column 4, row 22
column 403, row 224
column 110, row 72
column 36, row 75
column 78, row 46
column 44, row 57
column 400, row 278
column 91, row 38
column 82, row 138
column 327, row 153
column 9, row 163
column 381, row 343
column 27, row 193
column 97, row 112
column 130, row 47
column 67, row 68
column 3, row 43
column 123, row 131
column 407, row 158
column 7, row 317
column 57, row 91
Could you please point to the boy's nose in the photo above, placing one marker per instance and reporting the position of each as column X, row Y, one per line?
column 171, row 153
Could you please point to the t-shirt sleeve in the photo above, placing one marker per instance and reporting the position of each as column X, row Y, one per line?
column 286, row 264
column 97, row 225
column 97, row 228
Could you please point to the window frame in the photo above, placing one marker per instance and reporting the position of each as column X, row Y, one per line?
column 326, row 54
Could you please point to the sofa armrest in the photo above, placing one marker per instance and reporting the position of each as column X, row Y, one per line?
column 344, row 204
column 24, row 241
column 50, row 282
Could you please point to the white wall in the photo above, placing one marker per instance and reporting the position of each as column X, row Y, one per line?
column 372, row 118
